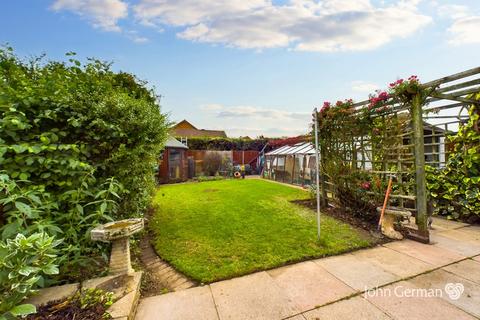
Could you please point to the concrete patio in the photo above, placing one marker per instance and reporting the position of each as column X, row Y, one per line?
column 367, row 284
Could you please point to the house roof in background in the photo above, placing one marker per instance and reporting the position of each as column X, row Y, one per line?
column 186, row 129
column 184, row 124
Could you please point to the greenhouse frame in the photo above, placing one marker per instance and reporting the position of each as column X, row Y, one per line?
column 294, row 164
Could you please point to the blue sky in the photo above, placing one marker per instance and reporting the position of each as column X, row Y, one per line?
column 254, row 67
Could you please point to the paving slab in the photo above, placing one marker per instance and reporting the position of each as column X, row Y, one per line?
column 477, row 258
column 193, row 304
column 440, row 224
column 473, row 228
column 468, row 269
column 255, row 296
column 352, row 309
column 426, row 252
column 394, row 262
column 467, row 234
column 298, row 317
column 402, row 306
column 468, row 300
column 358, row 273
column 308, row 285
column 461, row 247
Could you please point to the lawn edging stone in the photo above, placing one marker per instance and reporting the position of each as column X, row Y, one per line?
column 126, row 290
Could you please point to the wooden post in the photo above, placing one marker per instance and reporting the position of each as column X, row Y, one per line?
column 419, row 150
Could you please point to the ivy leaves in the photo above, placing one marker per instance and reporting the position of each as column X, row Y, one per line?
column 455, row 189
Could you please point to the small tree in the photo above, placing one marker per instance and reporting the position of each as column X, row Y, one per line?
column 212, row 163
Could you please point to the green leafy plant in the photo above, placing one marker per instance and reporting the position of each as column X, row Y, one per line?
column 209, row 178
column 78, row 144
column 204, row 143
column 88, row 298
column 28, row 209
column 455, row 189
column 24, row 261
column 361, row 143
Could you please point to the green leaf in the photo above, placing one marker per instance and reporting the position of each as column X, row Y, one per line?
column 103, row 207
column 50, row 269
column 24, row 176
column 10, row 229
column 27, row 270
column 79, row 208
column 23, row 310
column 23, row 208
column 18, row 148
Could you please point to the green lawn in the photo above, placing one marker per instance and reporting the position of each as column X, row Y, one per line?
column 221, row 229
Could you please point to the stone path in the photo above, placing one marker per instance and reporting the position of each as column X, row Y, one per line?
column 160, row 271
column 376, row 283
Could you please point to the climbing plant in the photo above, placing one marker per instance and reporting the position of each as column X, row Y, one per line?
column 455, row 189
column 353, row 136
column 380, row 132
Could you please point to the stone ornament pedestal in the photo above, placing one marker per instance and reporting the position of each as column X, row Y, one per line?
column 118, row 233
column 391, row 216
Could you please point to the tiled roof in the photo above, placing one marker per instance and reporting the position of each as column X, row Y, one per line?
column 179, row 132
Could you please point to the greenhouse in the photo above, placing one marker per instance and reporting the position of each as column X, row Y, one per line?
column 293, row 164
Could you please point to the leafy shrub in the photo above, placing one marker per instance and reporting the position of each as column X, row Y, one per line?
column 90, row 297
column 209, row 178
column 204, row 143
column 23, row 263
column 86, row 139
column 455, row 189
column 28, row 209
column 212, row 163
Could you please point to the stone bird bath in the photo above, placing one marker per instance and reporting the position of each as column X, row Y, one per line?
column 118, row 233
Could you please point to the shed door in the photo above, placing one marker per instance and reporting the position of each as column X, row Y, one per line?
column 174, row 164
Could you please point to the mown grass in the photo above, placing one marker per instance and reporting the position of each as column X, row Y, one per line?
column 221, row 229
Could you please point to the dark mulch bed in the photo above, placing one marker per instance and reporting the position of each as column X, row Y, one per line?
column 367, row 223
column 68, row 311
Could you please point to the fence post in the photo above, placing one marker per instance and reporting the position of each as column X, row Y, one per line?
column 419, row 152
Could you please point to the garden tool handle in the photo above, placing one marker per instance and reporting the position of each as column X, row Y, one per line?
column 385, row 201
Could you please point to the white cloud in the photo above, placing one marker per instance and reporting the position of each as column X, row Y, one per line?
column 260, row 113
column 327, row 25
column 135, row 37
column 465, row 23
column 103, row 14
column 453, row 11
column 191, row 12
column 211, row 107
column 465, row 30
column 254, row 121
column 364, row 87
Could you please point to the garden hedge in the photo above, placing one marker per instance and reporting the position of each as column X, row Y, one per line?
column 78, row 147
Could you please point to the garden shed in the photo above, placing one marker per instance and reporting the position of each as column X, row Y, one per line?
column 173, row 165
column 293, row 164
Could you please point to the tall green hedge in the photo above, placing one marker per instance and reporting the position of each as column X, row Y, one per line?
column 203, row 143
column 78, row 147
